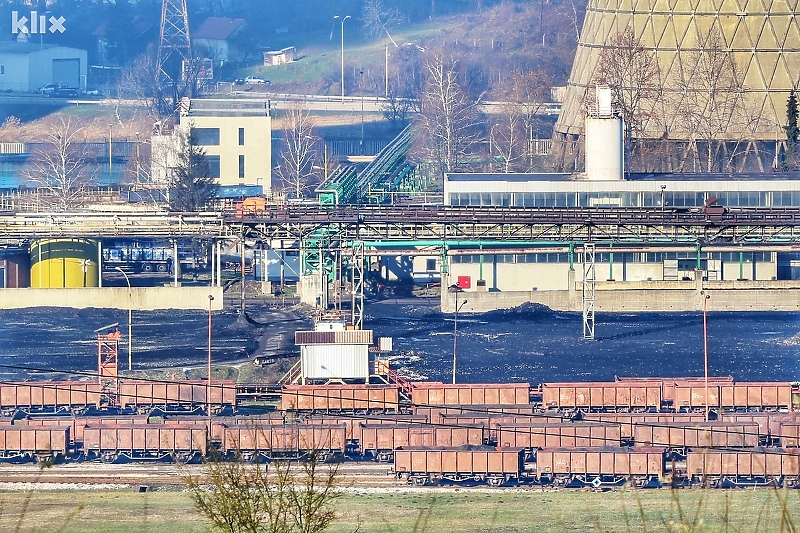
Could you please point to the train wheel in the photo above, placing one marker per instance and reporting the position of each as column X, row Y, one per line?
column 147, row 267
column 161, row 268
column 183, row 457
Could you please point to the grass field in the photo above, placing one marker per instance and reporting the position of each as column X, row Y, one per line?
column 452, row 512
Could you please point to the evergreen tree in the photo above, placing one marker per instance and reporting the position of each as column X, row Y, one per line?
column 792, row 133
column 192, row 187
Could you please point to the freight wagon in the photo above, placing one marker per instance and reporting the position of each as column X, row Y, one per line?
column 426, row 394
column 491, row 421
column 78, row 423
column 49, row 396
column 352, row 424
column 535, row 436
column 421, row 466
column 362, row 399
column 628, row 421
column 23, row 443
column 180, row 396
column 379, row 441
column 434, row 412
column 602, row 397
column 668, row 385
column 290, row 441
column 139, row 442
column 681, row 437
column 600, row 467
column 744, row 468
column 769, row 424
column 744, row 396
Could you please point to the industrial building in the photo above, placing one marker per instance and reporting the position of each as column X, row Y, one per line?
column 235, row 135
column 29, row 66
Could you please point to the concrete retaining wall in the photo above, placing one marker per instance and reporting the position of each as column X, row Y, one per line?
column 141, row 298
column 641, row 296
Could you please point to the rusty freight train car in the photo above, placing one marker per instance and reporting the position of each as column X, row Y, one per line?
column 24, row 443
column 179, row 395
column 744, row 468
column 430, row 394
column 363, row 399
column 535, row 436
column 421, row 466
column 289, row 441
column 138, row 442
column 678, row 438
column 379, row 441
column 600, row 467
column 49, row 396
column 602, row 397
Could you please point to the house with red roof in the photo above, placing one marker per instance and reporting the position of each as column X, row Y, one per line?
column 218, row 38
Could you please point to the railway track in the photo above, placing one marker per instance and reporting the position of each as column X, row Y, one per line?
column 361, row 475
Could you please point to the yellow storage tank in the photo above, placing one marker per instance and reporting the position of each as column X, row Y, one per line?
column 64, row 263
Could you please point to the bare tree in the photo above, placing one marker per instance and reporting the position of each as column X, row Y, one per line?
column 377, row 18
column 59, row 166
column 448, row 124
column 711, row 96
column 511, row 137
column 633, row 74
column 274, row 497
column 140, row 80
column 298, row 153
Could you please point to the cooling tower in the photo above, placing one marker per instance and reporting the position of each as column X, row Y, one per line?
column 753, row 45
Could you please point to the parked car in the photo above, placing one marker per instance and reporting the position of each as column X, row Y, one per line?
column 49, row 88
column 254, row 80
column 64, row 92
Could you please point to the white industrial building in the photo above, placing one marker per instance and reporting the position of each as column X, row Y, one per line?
column 28, row 66
column 545, row 268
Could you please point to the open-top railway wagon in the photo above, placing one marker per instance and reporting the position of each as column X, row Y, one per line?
column 769, row 424
column 25, row 443
column 379, row 441
column 321, row 399
column 602, row 396
column 678, row 438
column 421, row 466
column 180, row 395
column 78, row 423
column 434, row 412
column 291, row 441
column 600, row 467
column 627, row 422
column 49, row 396
column 759, row 467
column 428, row 394
column 535, row 436
column 138, row 442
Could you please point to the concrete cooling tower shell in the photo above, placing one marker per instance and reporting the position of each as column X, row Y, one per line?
column 762, row 37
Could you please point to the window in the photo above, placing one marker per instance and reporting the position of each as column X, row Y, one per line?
column 205, row 136
column 213, row 165
column 241, row 136
column 241, row 166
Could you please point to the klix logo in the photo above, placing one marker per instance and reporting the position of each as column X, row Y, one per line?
column 38, row 24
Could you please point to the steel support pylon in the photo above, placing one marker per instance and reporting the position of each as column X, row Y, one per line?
column 588, row 289
column 357, row 288
column 175, row 44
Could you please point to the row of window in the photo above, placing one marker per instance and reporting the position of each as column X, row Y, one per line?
column 213, row 166
column 619, row 257
column 626, row 199
column 210, row 136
